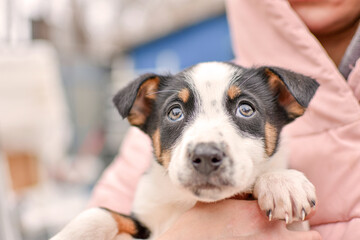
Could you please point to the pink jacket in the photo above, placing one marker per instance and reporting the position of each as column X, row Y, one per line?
column 325, row 142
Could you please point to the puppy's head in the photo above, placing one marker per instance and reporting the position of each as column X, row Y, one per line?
column 213, row 124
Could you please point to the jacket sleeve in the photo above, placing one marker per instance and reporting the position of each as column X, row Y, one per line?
column 116, row 188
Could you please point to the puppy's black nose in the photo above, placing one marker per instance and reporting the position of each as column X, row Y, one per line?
column 206, row 157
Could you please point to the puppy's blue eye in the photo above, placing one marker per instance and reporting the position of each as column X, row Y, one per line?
column 245, row 110
column 175, row 114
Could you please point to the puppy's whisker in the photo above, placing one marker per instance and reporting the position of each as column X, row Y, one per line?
column 243, row 82
column 162, row 92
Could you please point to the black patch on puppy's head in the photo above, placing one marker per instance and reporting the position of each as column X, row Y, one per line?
column 278, row 97
column 147, row 101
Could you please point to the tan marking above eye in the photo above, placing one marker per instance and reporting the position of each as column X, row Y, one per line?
column 233, row 92
column 271, row 136
column 184, row 94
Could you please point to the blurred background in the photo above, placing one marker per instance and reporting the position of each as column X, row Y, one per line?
column 61, row 61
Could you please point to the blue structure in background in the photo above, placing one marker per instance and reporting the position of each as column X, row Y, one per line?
column 205, row 41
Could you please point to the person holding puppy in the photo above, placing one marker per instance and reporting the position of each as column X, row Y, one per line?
column 317, row 38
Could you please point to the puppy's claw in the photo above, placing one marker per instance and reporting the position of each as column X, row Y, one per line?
column 269, row 214
column 313, row 203
column 286, row 218
column 303, row 214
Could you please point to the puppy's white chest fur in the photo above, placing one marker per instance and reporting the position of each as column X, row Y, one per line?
column 158, row 203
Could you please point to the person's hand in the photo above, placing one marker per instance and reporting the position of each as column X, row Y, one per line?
column 231, row 220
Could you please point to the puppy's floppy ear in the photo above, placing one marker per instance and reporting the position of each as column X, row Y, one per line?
column 135, row 101
column 293, row 90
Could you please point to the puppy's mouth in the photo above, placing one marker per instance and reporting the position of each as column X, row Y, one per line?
column 212, row 189
column 206, row 186
column 198, row 181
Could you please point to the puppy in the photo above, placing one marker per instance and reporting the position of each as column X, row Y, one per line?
column 215, row 129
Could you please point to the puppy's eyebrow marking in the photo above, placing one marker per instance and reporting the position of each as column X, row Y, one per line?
column 233, row 92
column 184, row 94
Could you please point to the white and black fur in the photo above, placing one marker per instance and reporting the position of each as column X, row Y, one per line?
column 215, row 129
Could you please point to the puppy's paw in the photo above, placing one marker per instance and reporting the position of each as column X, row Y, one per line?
column 285, row 194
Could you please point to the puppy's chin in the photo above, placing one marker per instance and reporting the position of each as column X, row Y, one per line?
column 212, row 193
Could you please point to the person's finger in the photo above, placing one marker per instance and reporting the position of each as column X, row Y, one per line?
column 310, row 235
column 200, row 204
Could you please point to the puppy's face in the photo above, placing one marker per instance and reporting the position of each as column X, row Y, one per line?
column 214, row 124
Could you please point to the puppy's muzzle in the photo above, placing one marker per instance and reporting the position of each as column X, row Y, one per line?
column 206, row 158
